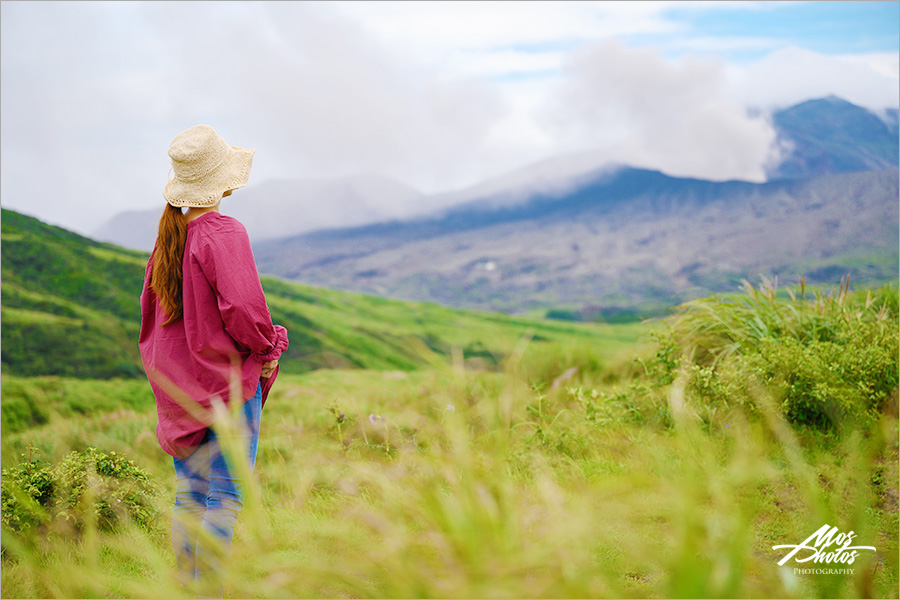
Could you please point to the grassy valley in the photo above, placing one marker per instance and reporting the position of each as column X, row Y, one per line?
column 70, row 308
column 413, row 450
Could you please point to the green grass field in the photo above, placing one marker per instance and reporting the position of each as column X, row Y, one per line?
column 521, row 479
column 412, row 450
column 488, row 499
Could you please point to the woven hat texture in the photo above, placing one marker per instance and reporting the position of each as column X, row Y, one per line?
column 205, row 167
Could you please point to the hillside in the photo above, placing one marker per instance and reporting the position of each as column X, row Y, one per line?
column 613, row 237
column 621, row 239
column 70, row 307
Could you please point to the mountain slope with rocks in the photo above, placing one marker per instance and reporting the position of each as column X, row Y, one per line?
column 628, row 238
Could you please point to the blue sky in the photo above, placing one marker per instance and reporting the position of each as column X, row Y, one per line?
column 826, row 27
column 831, row 27
column 438, row 95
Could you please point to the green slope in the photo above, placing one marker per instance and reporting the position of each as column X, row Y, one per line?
column 70, row 308
column 69, row 304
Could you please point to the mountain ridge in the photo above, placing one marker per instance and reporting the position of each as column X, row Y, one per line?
column 282, row 209
column 831, row 135
column 623, row 239
column 621, row 236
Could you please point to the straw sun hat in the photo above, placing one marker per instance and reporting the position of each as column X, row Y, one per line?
column 205, row 167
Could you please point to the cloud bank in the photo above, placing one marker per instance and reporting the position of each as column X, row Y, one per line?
column 642, row 110
column 437, row 95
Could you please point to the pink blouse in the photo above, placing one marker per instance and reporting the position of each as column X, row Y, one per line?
column 226, row 332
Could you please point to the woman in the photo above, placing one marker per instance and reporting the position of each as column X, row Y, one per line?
column 206, row 337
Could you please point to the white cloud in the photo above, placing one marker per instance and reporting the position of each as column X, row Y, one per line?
column 310, row 89
column 79, row 101
column 791, row 75
column 717, row 45
column 639, row 109
column 436, row 94
column 502, row 63
column 435, row 28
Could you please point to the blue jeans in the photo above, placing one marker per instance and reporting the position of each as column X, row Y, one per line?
column 208, row 499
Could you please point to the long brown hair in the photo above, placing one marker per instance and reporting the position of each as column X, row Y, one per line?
column 166, row 277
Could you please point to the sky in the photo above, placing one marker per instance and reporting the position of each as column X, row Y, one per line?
column 437, row 95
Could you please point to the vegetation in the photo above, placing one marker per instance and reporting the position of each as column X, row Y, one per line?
column 64, row 316
column 87, row 485
column 610, row 314
column 830, row 359
column 412, row 450
column 32, row 401
column 555, row 469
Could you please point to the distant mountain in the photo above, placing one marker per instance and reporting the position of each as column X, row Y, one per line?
column 892, row 119
column 570, row 232
column 831, row 135
column 573, row 231
column 823, row 136
column 134, row 229
column 273, row 209
column 553, row 176
column 624, row 238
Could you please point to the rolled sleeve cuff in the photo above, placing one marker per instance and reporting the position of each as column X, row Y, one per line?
column 281, row 344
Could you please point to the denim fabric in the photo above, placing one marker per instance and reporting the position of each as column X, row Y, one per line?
column 208, row 499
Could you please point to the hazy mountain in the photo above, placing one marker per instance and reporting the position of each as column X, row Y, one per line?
column 273, row 209
column 621, row 238
column 553, row 176
column 825, row 136
column 892, row 119
column 831, row 135
column 570, row 232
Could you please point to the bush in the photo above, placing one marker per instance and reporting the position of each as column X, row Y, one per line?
column 111, row 486
column 831, row 360
column 27, row 489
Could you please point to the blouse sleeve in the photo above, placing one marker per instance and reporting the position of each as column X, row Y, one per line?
column 227, row 261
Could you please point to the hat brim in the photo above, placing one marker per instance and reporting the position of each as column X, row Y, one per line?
column 233, row 173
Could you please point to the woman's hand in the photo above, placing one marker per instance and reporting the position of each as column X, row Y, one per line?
column 268, row 369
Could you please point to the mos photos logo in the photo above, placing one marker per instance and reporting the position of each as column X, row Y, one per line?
column 827, row 546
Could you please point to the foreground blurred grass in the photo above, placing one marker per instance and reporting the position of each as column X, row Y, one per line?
column 537, row 480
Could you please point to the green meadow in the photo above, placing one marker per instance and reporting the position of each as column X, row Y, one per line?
column 414, row 451
column 70, row 308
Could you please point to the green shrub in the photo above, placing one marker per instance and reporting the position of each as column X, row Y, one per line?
column 831, row 360
column 27, row 489
column 712, row 329
column 111, row 486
